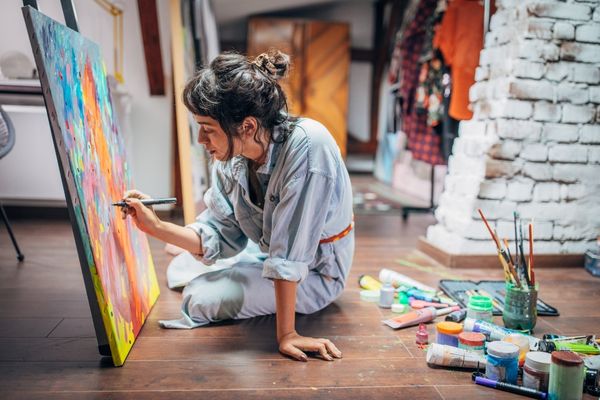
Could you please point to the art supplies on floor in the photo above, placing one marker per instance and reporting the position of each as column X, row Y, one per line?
column 461, row 291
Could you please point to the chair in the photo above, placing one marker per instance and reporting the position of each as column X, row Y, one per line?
column 7, row 141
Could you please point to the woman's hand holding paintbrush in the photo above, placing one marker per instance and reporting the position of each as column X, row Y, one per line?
column 143, row 216
column 147, row 221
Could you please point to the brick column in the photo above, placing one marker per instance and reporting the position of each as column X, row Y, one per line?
column 533, row 144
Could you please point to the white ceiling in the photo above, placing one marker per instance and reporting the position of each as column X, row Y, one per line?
column 227, row 11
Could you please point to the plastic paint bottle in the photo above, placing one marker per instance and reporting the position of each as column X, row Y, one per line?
column 398, row 279
column 447, row 333
column 566, row 376
column 522, row 342
column 371, row 296
column 369, row 283
column 481, row 308
column 502, row 362
column 472, row 341
column 422, row 336
column 536, row 370
column 386, row 295
column 493, row 331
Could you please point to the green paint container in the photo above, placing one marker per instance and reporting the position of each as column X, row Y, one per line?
column 481, row 308
column 520, row 308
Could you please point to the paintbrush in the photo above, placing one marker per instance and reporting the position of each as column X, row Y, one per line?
column 531, row 273
column 516, row 239
column 523, row 263
column 511, row 267
column 489, row 229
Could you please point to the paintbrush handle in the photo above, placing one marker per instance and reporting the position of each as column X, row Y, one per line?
column 149, row 202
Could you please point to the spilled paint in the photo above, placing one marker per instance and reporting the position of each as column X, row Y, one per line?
column 117, row 254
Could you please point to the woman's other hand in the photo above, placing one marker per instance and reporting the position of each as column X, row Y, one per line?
column 295, row 346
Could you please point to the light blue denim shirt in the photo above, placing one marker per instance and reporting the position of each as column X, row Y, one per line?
column 308, row 197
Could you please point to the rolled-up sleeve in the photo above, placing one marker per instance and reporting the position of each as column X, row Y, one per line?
column 217, row 227
column 298, row 221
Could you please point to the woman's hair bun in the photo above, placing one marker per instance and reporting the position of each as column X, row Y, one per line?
column 274, row 63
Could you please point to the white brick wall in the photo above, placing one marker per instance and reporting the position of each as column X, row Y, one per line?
column 533, row 145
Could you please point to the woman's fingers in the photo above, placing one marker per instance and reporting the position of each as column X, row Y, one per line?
column 293, row 352
column 334, row 351
column 322, row 349
column 135, row 194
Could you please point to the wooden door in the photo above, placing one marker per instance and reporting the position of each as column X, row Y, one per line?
column 325, row 80
column 285, row 35
column 317, row 86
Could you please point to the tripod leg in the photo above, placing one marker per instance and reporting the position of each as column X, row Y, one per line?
column 20, row 256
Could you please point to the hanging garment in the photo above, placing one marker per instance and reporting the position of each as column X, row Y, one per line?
column 460, row 39
column 423, row 142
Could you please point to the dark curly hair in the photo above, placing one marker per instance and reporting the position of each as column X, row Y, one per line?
column 234, row 87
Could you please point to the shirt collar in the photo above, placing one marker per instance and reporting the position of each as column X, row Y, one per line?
column 239, row 164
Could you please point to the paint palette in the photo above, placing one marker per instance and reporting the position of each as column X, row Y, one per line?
column 115, row 258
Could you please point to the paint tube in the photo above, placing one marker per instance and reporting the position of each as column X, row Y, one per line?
column 398, row 279
column 417, row 316
column 449, row 356
column 495, row 332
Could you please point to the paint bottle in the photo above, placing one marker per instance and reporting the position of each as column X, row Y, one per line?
column 417, row 316
column 536, row 370
column 472, row 341
column 502, row 362
column 480, row 307
column 493, row 331
column 448, row 356
column 447, row 333
column 399, row 308
column 422, row 336
column 457, row 316
column 369, row 283
column 386, row 295
column 566, row 376
column 398, row 279
column 522, row 342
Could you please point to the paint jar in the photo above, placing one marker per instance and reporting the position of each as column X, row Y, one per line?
column 536, row 370
column 371, row 296
column 481, row 308
column 566, row 376
column 386, row 295
column 472, row 341
column 502, row 362
column 520, row 307
column 522, row 342
column 447, row 333
column 422, row 336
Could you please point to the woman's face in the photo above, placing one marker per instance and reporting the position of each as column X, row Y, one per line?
column 212, row 136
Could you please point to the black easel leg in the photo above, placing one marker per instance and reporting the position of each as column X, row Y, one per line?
column 422, row 210
column 20, row 256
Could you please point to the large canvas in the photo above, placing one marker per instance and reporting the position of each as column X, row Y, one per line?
column 115, row 257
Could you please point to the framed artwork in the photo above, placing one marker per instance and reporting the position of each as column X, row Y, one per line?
column 115, row 258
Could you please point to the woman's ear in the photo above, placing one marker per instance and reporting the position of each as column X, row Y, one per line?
column 249, row 127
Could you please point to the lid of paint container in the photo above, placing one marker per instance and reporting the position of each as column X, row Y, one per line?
column 399, row 308
column 472, row 338
column 503, row 349
column 538, row 360
column 369, row 295
column 449, row 327
column 567, row 358
column 480, row 303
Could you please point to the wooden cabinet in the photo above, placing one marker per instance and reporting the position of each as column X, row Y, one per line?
column 317, row 86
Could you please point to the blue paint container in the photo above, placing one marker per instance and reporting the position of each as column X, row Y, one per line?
column 502, row 362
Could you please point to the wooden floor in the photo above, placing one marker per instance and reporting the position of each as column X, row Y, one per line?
column 48, row 348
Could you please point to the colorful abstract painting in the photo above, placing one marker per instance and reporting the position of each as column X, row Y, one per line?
column 115, row 257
